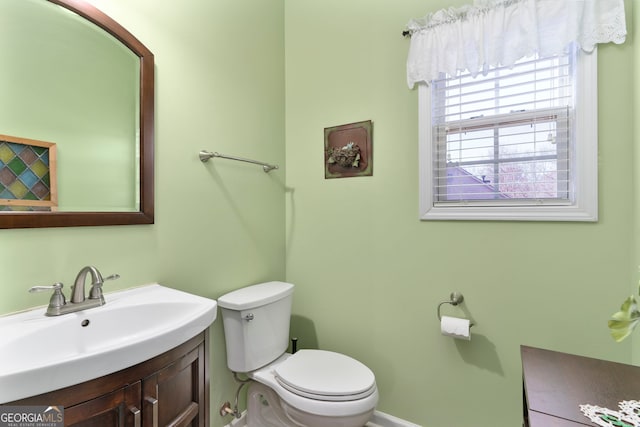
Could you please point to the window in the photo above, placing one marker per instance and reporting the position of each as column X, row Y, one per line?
column 517, row 143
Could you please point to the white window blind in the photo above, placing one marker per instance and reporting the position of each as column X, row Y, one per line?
column 505, row 138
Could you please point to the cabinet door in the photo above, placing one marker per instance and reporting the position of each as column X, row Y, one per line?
column 175, row 395
column 120, row 408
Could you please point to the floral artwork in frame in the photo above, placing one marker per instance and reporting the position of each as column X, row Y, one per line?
column 348, row 150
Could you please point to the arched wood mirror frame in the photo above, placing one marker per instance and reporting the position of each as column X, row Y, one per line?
column 146, row 213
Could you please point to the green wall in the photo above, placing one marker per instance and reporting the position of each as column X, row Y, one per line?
column 634, row 288
column 370, row 274
column 220, row 225
column 242, row 77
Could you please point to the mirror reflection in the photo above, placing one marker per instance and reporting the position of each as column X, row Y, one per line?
column 73, row 77
column 68, row 82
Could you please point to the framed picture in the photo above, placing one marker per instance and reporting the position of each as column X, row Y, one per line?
column 348, row 150
column 27, row 175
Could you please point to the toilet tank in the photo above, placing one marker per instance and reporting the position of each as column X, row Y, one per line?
column 256, row 324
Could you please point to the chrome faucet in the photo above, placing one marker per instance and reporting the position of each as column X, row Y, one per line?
column 58, row 304
column 77, row 293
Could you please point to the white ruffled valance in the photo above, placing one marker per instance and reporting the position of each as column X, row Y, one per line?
column 500, row 32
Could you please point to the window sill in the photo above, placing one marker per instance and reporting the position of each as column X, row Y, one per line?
column 514, row 213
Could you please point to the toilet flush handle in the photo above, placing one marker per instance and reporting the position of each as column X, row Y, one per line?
column 248, row 317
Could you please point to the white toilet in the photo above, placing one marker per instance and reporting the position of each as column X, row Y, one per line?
column 311, row 388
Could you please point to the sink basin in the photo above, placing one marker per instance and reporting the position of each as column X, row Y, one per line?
column 40, row 354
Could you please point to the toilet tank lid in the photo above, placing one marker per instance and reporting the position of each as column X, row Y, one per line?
column 255, row 295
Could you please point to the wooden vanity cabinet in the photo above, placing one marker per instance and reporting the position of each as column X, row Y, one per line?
column 171, row 389
column 118, row 408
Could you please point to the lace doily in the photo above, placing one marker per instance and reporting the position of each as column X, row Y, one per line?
column 627, row 416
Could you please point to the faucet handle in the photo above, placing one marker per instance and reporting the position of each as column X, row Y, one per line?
column 96, row 288
column 56, row 287
column 112, row 277
column 57, row 300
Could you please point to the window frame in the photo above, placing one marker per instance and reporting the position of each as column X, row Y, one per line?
column 585, row 205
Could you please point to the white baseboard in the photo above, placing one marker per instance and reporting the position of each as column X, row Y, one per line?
column 379, row 419
column 385, row 420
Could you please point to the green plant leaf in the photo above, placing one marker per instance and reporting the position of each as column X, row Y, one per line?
column 623, row 322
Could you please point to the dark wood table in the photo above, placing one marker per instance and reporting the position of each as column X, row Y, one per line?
column 556, row 384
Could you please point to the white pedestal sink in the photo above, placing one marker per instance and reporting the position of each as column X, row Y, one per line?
column 40, row 354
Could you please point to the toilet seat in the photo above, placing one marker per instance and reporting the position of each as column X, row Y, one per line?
column 325, row 375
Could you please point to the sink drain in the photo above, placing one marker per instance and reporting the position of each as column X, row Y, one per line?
column 85, row 323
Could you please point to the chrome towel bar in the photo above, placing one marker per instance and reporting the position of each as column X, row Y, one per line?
column 206, row 155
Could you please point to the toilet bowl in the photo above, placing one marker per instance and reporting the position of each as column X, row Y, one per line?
column 312, row 388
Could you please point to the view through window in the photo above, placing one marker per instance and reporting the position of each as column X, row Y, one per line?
column 505, row 137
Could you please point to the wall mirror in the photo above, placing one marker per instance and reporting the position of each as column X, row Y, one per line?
column 73, row 77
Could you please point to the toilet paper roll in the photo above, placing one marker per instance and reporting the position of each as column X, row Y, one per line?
column 455, row 327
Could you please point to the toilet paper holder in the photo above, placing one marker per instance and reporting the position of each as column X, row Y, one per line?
column 454, row 299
